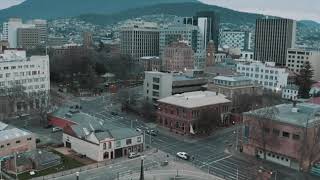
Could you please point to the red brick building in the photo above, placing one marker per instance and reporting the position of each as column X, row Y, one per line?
column 285, row 134
column 180, row 112
column 177, row 57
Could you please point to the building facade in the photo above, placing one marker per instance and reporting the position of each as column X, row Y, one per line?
column 87, row 39
column 177, row 32
column 246, row 55
column 158, row 85
column 42, row 27
column 180, row 112
column 28, row 38
column 234, row 86
column 91, row 137
column 297, row 59
column 178, row 57
column 290, row 92
column 265, row 74
column 138, row 39
column 16, row 141
column 151, row 63
column 272, row 39
column 32, row 73
column 235, row 39
column 284, row 137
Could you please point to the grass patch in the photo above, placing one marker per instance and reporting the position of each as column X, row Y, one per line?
column 67, row 163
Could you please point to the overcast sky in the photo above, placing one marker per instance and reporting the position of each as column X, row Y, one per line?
column 295, row 9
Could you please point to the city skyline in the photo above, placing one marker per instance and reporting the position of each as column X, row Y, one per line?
column 300, row 11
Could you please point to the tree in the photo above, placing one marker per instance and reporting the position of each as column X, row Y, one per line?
column 208, row 121
column 262, row 125
column 310, row 146
column 148, row 110
column 304, row 80
column 42, row 105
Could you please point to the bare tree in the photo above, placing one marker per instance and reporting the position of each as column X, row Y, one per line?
column 42, row 105
column 262, row 127
column 208, row 121
column 310, row 146
column 148, row 110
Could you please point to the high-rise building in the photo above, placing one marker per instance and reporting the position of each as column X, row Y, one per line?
column 178, row 56
column 87, row 39
column 176, row 32
column 298, row 58
column 208, row 23
column 235, row 39
column 139, row 38
column 272, row 39
column 28, row 38
column 10, row 30
column 42, row 26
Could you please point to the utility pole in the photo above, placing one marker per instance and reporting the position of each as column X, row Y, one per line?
column 142, row 170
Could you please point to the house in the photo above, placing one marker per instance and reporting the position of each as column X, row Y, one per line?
column 290, row 92
column 92, row 137
column 283, row 134
column 180, row 112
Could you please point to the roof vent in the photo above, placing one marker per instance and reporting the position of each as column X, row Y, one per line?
column 294, row 110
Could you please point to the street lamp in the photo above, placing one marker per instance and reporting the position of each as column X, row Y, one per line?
column 77, row 175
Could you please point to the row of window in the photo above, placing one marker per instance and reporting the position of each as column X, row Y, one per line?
column 284, row 134
column 298, row 57
column 257, row 70
column 17, row 142
column 18, row 67
column 17, row 74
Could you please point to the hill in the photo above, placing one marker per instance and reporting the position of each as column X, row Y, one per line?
column 178, row 9
column 49, row 9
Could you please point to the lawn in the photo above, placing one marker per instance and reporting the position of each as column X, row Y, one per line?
column 67, row 163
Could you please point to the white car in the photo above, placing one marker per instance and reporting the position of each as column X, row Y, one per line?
column 183, row 155
column 56, row 129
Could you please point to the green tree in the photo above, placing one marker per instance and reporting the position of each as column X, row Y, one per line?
column 304, row 80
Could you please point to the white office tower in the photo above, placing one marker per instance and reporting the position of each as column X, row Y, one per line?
column 12, row 30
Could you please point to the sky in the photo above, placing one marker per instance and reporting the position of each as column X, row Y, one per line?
column 294, row 9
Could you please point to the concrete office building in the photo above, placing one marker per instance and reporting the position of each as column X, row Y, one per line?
column 266, row 74
column 28, row 38
column 177, row 32
column 10, row 30
column 272, row 39
column 235, row 39
column 297, row 58
column 87, row 39
column 158, row 85
column 31, row 72
column 42, row 27
column 246, row 55
column 177, row 57
column 139, row 38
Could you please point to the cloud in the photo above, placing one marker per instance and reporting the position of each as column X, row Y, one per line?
column 295, row 9
column 7, row 3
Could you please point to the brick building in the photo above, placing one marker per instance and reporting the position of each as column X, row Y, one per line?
column 285, row 135
column 177, row 57
column 180, row 112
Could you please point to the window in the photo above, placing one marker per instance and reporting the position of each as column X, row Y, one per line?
column 17, row 142
column 156, row 87
column 275, row 132
column 139, row 139
column 156, row 80
column 266, row 130
column 2, row 146
column 118, row 143
column 104, row 146
column 29, row 139
column 285, row 134
column 128, row 141
column 8, row 144
column 295, row 136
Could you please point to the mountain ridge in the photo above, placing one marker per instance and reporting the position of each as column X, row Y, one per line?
column 49, row 9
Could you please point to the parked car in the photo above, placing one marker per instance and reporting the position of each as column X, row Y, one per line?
column 139, row 130
column 56, row 129
column 152, row 132
column 133, row 155
column 183, row 155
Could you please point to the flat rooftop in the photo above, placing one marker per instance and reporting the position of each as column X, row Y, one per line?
column 307, row 114
column 13, row 134
column 195, row 99
column 233, row 78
